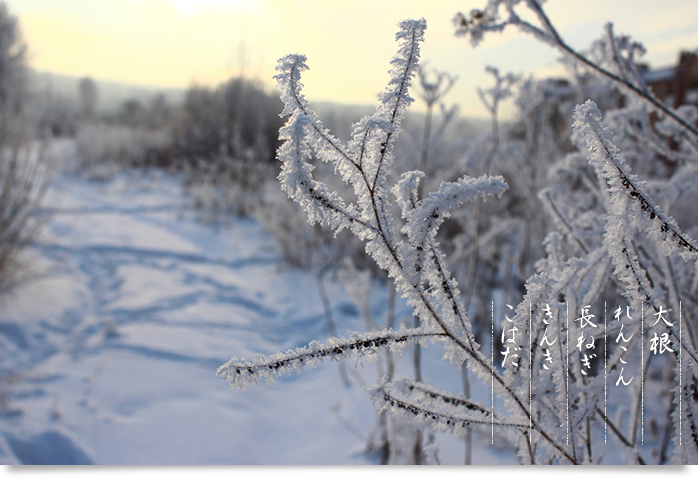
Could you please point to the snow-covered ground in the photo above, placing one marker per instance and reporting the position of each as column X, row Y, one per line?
column 108, row 355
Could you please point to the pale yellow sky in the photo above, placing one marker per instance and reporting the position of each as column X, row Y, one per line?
column 348, row 42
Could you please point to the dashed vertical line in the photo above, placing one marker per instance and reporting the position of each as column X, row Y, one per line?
column 567, row 371
column 680, row 381
column 492, row 351
column 530, row 374
column 605, row 375
column 642, row 374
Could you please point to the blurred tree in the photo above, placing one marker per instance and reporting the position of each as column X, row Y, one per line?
column 23, row 174
column 13, row 72
column 236, row 120
column 132, row 113
column 88, row 98
column 160, row 111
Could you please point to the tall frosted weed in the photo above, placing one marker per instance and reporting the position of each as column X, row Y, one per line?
column 609, row 241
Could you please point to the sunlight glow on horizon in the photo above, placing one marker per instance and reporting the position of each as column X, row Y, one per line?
column 174, row 43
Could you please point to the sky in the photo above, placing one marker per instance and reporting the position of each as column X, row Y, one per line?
column 349, row 43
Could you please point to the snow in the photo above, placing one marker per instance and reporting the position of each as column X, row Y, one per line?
column 109, row 353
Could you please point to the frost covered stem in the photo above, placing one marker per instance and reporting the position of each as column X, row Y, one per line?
column 448, row 419
column 301, row 106
column 240, row 373
column 402, row 91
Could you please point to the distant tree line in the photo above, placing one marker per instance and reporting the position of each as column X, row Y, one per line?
column 234, row 119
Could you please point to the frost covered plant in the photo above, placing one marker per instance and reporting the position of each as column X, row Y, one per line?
column 632, row 210
column 434, row 86
column 413, row 258
column 615, row 243
column 630, row 206
column 554, row 414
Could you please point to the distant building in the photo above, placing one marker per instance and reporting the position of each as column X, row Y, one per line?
column 677, row 85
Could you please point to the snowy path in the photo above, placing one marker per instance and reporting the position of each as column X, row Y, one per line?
column 109, row 355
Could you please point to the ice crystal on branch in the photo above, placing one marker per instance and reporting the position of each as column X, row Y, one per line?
column 631, row 206
column 425, row 406
column 240, row 373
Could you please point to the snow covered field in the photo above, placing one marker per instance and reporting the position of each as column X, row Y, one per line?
column 108, row 356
